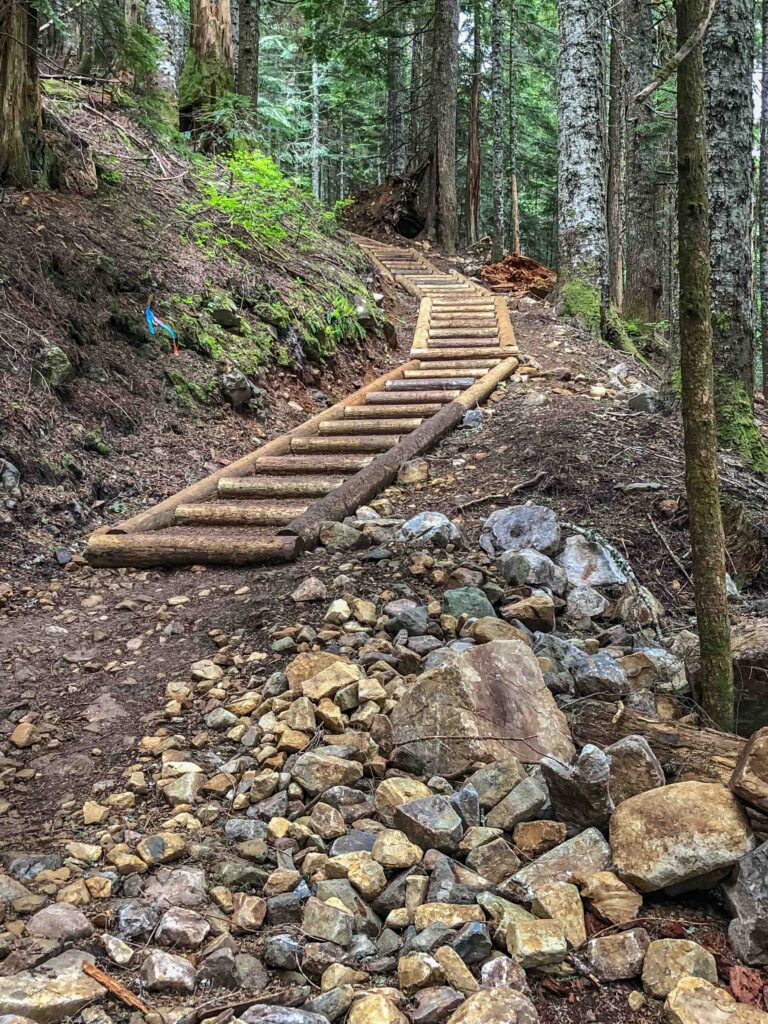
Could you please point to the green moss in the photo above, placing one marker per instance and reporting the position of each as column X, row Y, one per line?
column 676, row 381
column 736, row 426
column 188, row 392
column 582, row 300
column 201, row 81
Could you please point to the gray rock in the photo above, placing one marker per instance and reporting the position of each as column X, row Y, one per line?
column 407, row 615
column 589, row 564
column 53, row 365
column 137, row 920
column 182, row 929
column 260, row 1013
column 166, row 972
column 473, row 943
column 472, row 418
column 466, row 803
column 601, row 676
column 579, row 857
column 584, row 604
column 55, row 991
column 524, row 803
column 341, row 537
column 618, row 957
column 431, row 528
column 530, row 568
column 580, row 791
column 235, row 388
column 495, row 780
column 283, row 952
column 220, row 719
column 434, row 1004
column 333, row 1004
column 60, row 921
column 430, row 822
column 324, row 921
column 219, row 970
column 634, row 768
column 251, row 971
column 177, row 887
column 521, row 527
column 643, row 398
column 469, row 601
column 10, row 478
column 746, row 894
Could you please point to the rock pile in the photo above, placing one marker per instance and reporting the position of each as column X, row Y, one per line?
column 394, row 825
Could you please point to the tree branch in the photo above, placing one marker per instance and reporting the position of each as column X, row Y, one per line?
column 674, row 63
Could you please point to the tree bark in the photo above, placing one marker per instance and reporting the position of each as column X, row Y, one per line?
column 582, row 234
column 395, row 90
column 763, row 199
column 416, row 99
column 166, row 25
column 700, row 437
column 643, row 286
column 616, row 157
column 441, row 218
column 728, row 55
column 514, row 206
column 474, row 168
column 207, row 72
column 24, row 157
column 248, row 50
column 315, row 137
column 497, row 119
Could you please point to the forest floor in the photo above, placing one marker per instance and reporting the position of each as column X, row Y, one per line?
column 87, row 650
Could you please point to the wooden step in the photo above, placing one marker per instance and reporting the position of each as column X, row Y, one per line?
column 369, row 426
column 425, row 395
column 453, row 352
column 277, row 487
column 459, row 342
column 424, row 410
column 463, row 332
column 330, row 445
column 427, row 374
column 311, row 464
column 459, row 367
column 239, row 513
column 420, row 383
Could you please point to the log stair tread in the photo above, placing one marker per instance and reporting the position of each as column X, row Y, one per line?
column 255, row 510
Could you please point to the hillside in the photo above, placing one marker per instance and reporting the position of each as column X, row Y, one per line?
column 273, row 308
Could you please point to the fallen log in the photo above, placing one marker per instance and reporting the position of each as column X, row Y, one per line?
column 685, row 753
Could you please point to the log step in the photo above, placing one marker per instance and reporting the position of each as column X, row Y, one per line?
column 419, row 383
column 369, row 426
column 311, row 464
column 424, row 410
column 329, row 445
column 277, row 487
column 450, row 365
column 444, row 397
column 461, row 372
column 462, row 332
column 459, row 342
column 450, row 352
column 239, row 513
column 190, row 547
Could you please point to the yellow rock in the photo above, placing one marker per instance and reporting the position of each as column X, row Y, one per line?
column 93, row 813
column 452, row 915
column 417, row 970
column 304, row 666
column 393, row 849
column 561, row 902
column 456, row 971
column 23, row 735
column 375, row 1009
column 392, row 792
column 361, row 870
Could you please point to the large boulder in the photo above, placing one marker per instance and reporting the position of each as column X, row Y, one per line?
column 746, row 894
column 519, row 528
column 56, row 990
column 496, row 1006
column 481, row 705
column 750, row 777
column 679, row 834
column 697, row 1001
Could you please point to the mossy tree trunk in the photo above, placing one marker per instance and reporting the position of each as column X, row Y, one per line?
column 616, row 156
column 442, row 209
column 24, row 157
column 207, row 72
column 514, row 205
column 728, row 54
column 643, row 287
column 165, row 23
column 395, row 88
column 473, row 142
column 497, row 118
column 763, row 200
column 699, row 427
column 582, row 232
column 248, row 50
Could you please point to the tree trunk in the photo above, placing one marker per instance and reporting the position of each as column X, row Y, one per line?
column 207, row 72
column 582, row 233
column 763, row 200
column 315, row 139
column 514, row 206
column 643, row 286
column 697, row 380
column 395, row 89
column 497, row 117
column 248, row 50
column 474, row 167
column 24, row 157
column 166, row 25
column 616, row 158
column 416, row 99
column 728, row 55
column 441, row 219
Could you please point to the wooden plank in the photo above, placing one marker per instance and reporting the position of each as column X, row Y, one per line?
column 457, row 366
column 423, row 409
column 462, row 332
column 369, row 426
column 165, row 547
column 277, row 487
column 330, row 445
column 239, row 513
column 438, row 384
column 427, row 374
column 456, row 352
column 311, row 464
column 377, row 397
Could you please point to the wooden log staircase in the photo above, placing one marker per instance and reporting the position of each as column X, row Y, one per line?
column 269, row 505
